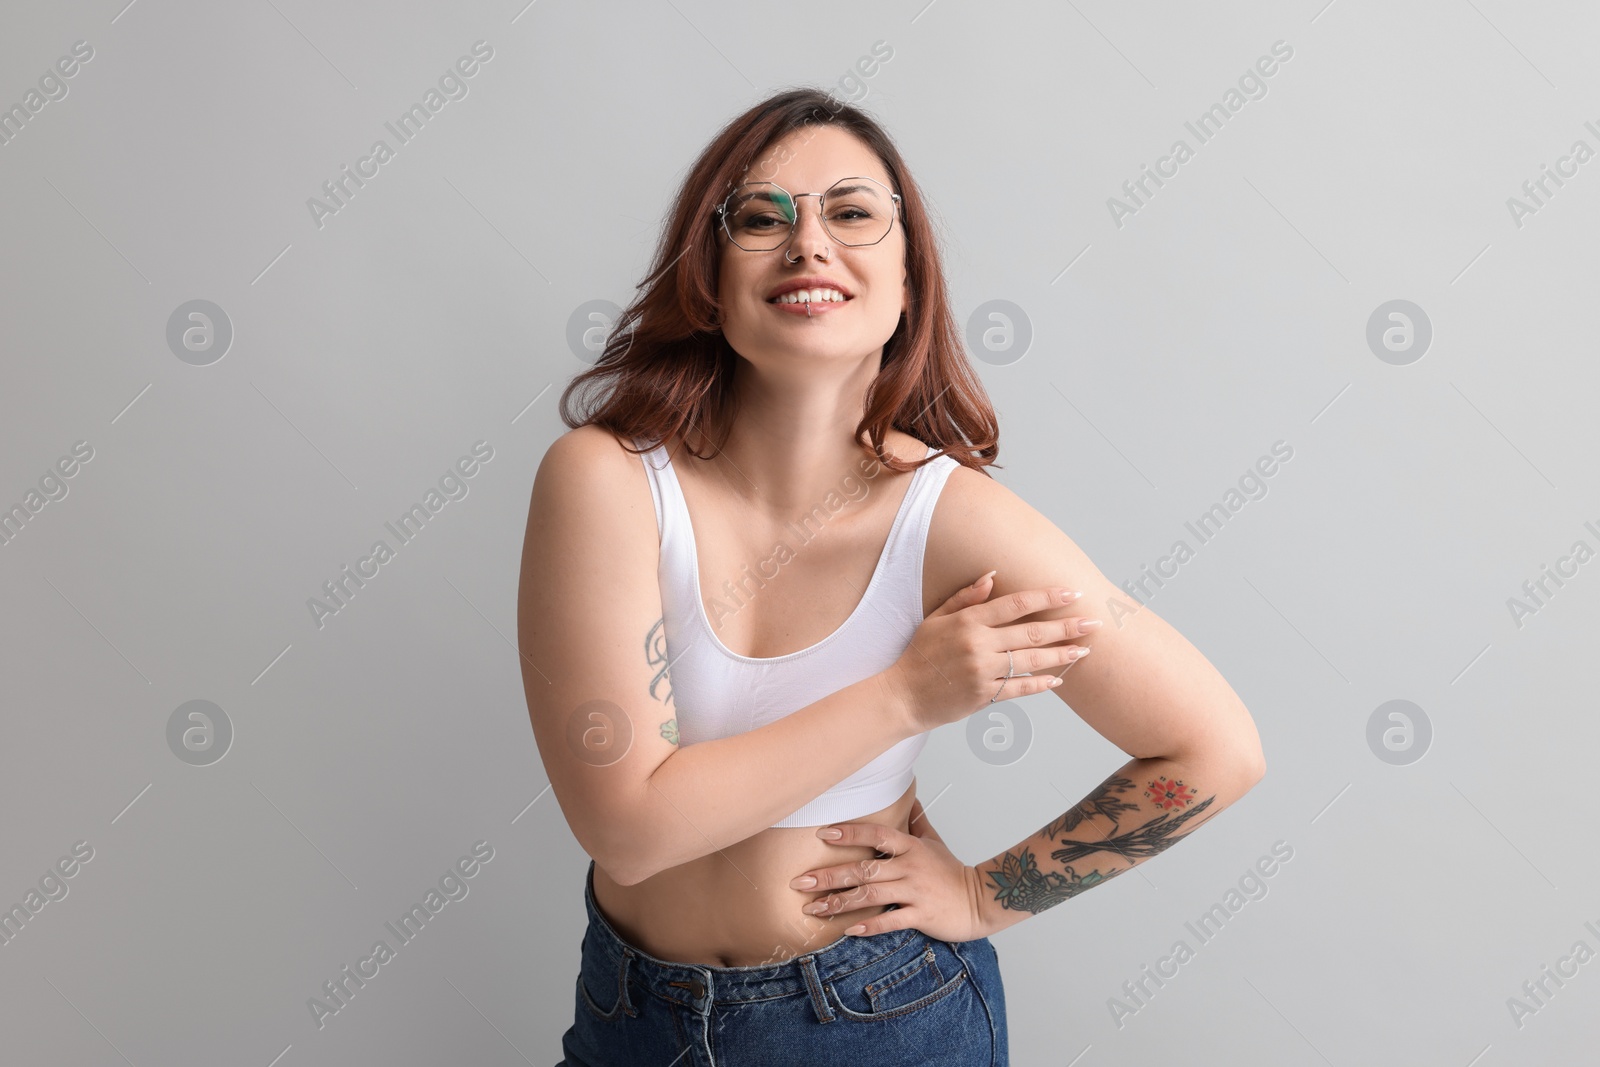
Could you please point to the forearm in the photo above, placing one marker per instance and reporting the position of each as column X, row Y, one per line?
column 1144, row 808
column 710, row 795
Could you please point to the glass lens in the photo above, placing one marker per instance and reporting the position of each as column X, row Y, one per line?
column 759, row 216
column 856, row 211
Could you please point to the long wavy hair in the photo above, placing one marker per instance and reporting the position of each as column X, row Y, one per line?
column 666, row 366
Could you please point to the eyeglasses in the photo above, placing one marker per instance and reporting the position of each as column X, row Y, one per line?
column 761, row 216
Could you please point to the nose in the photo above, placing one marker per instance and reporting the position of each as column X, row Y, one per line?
column 809, row 236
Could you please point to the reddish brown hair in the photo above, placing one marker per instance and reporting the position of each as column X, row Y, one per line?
column 666, row 366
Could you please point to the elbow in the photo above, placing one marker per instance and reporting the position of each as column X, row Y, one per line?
column 624, row 874
column 626, row 832
column 1250, row 762
column 1235, row 767
column 1253, row 769
column 1246, row 757
column 1245, row 760
column 621, row 855
column 618, row 875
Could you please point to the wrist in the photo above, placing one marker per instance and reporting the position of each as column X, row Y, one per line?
column 892, row 691
column 992, row 916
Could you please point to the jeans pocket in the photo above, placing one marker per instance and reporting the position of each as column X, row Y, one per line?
column 602, row 985
column 903, row 983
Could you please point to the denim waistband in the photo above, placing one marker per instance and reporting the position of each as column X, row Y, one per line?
column 698, row 986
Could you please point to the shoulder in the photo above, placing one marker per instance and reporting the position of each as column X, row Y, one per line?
column 966, row 497
column 593, row 456
column 587, row 476
column 979, row 524
column 589, row 448
column 591, row 524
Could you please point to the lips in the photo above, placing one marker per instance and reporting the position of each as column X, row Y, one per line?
column 810, row 283
column 819, row 295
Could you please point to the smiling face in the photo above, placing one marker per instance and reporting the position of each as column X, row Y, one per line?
column 771, row 334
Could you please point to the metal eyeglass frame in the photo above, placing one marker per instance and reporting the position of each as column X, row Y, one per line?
column 721, row 212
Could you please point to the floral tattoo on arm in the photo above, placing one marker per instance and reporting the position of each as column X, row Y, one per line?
column 1020, row 884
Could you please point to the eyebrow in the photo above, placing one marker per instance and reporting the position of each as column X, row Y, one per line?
column 851, row 189
column 767, row 195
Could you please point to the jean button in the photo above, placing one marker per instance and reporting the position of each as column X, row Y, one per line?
column 694, row 986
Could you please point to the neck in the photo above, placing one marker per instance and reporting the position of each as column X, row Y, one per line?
column 789, row 444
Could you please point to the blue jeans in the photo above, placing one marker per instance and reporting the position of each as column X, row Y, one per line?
column 886, row 999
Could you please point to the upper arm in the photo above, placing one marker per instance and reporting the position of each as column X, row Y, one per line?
column 1144, row 688
column 589, row 636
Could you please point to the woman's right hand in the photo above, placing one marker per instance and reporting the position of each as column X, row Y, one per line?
column 956, row 660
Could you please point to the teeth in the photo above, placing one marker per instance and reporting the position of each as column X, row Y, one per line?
column 816, row 296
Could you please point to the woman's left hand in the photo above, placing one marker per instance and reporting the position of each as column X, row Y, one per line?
column 937, row 893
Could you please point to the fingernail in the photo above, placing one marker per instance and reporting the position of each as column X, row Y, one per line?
column 830, row 833
column 1055, row 682
column 858, row 928
column 1068, row 597
column 979, row 582
column 1090, row 624
column 805, row 881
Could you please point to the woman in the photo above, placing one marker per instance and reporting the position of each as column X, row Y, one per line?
column 737, row 627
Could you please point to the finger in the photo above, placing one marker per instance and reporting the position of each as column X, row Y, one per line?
column 968, row 595
column 1015, row 605
column 862, row 896
column 885, row 839
column 883, row 922
column 1024, row 685
column 1045, row 632
column 848, row 875
column 1036, row 660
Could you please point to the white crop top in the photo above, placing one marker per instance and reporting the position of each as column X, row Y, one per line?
column 718, row 693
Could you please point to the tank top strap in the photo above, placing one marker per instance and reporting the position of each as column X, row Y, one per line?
column 654, row 461
column 677, row 567
column 901, row 590
column 898, row 591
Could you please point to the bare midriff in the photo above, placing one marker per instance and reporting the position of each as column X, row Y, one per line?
column 734, row 908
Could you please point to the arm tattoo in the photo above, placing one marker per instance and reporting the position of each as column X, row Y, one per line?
column 1100, row 802
column 1019, row 883
column 1169, row 794
column 655, row 653
column 1021, row 886
column 1140, row 843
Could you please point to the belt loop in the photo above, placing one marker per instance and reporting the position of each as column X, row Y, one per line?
column 627, row 1004
column 819, row 1000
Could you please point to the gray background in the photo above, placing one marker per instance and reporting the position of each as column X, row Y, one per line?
column 1167, row 356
